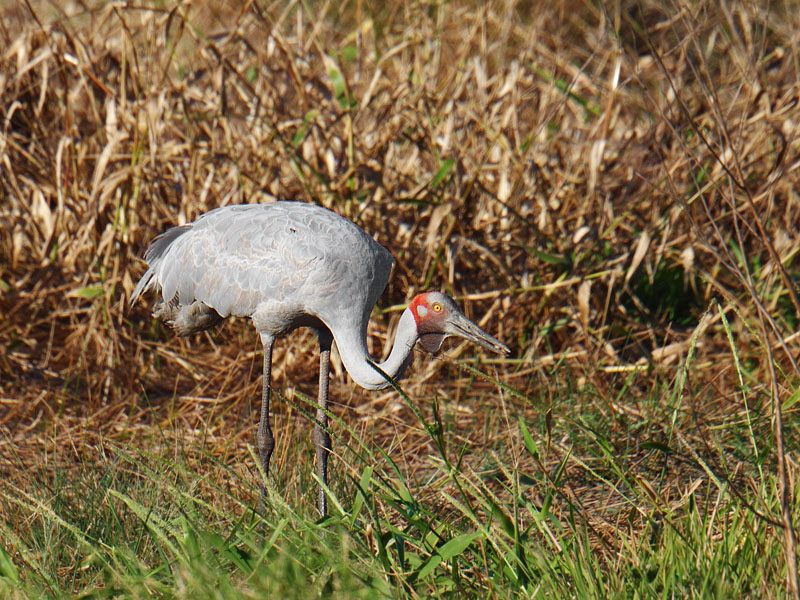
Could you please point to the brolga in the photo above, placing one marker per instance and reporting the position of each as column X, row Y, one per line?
column 288, row 265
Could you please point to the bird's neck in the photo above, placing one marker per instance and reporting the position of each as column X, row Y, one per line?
column 353, row 350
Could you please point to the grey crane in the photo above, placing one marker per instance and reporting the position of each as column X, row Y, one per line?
column 288, row 265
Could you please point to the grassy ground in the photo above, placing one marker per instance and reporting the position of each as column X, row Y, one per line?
column 609, row 188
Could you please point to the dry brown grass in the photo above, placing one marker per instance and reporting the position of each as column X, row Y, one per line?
column 594, row 153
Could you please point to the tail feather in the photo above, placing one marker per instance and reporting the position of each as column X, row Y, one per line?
column 160, row 244
column 144, row 284
column 153, row 256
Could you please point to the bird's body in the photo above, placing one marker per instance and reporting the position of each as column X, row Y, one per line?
column 287, row 265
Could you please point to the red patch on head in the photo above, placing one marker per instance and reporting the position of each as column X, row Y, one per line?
column 416, row 302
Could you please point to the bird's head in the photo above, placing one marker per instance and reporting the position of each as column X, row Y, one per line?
column 438, row 317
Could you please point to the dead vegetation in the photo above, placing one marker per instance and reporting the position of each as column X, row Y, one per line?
column 591, row 179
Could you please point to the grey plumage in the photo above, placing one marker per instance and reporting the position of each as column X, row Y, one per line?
column 287, row 265
column 231, row 259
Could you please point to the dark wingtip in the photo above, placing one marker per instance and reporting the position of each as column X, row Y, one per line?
column 158, row 247
column 161, row 242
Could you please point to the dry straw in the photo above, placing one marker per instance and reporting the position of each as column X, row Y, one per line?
column 564, row 168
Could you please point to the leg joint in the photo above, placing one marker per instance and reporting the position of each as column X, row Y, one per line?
column 265, row 440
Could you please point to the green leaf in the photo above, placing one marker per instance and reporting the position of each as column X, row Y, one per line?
column 448, row 551
column 157, row 525
column 301, row 132
column 300, row 135
column 505, row 520
column 404, row 494
column 526, row 436
column 358, row 503
column 189, row 541
column 548, row 499
column 238, row 558
column 553, row 259
column 792, row 400
column 457, row 545
column 443, row 171
column 413, row 559
column 429, row 566
column 657, row 446
column 349, row 53
column 92, row 291
column 339, row 87
column 8, row 570
column 525, row 144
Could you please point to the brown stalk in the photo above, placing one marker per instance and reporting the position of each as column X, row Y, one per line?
column 790, row 540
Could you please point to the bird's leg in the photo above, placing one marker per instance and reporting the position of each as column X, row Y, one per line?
column 320, row 436
column 264, row 439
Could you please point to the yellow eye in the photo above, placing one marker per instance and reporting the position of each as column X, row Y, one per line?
column 437, row 307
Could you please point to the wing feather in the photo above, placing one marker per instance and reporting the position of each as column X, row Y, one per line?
column 234, row 258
